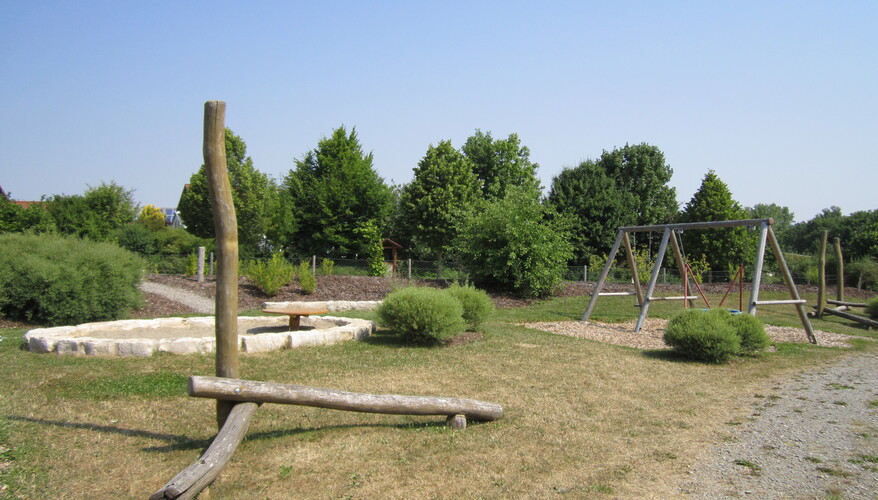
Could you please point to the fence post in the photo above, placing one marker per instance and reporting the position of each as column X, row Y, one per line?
column 584, row 273
column 211, row 264
column 314, row 265
column 665, row 275
column 840, row 263
column 410, row 268
column 200, row 274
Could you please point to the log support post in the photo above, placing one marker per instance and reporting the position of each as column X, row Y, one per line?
column 226, row 225
column 456, row 422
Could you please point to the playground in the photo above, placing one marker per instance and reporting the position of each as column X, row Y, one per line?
column 518, row 411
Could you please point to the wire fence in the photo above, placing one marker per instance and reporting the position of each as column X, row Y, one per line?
column 430, row 269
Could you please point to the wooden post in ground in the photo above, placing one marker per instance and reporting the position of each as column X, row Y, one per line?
column 226, row 225
column 840, row 266
column 821, row 275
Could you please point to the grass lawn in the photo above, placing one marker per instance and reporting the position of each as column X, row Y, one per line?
column 581, row 418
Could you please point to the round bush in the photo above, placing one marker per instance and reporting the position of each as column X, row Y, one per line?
column 63, row 281
column 422, row 315
column 751, row 331
column 477, row 306
column 872, row 308
column 704, row 336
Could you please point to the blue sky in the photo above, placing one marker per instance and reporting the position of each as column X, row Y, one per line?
column 779, row 98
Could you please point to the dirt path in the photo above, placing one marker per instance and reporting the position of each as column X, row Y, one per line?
column 814, row 435
column 197, row 302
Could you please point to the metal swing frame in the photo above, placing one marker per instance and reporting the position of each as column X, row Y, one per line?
column 766, row 235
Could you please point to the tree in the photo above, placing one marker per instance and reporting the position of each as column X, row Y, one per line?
column 595, row 205
column 253, row 193
column 152, row 218
column 500, row 164
column 333, row 191
column 15, row 219
column 861, row 235
column 783, row 218
column 804, row 237
column 515, row 243
column 443, row 187
column 641, row 171
column 724, row 248
column 97, row 214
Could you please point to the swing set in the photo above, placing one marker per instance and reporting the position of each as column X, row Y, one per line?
column 670, row 235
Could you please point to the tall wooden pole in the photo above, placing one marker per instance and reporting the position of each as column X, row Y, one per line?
column 821, row 275
column 840, row 266
column 225, row 223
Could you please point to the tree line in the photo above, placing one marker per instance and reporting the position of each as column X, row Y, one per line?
column 480, row 206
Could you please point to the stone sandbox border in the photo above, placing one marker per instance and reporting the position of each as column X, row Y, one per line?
column 75, row 340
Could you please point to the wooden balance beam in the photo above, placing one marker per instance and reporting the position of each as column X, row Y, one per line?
column 249, row 394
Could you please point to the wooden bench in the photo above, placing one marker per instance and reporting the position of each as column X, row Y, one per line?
column 296, row 313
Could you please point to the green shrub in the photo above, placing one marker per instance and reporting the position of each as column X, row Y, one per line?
column 750, row 331
column 137, row 238
column 63, row 281
column 862, row 272
column 703, row 335
column 269, row 276
column 422, row 315
column 307, row 280
column 327, row 266
column 477, row 306
column 515, row 243
column 191, row 265
column 872, row 308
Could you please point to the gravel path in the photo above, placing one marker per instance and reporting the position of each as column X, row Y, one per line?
column 197, row 302
column 814, row 435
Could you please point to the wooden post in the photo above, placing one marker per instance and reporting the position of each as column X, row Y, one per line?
column 200, row 274
column 211, row 264
column 226, row 226
column 603, row 277
column 584, row 273
column 314, row 265
column 681, row 267
column 632, row 265
column 840, row 266
column 410, row 269
column 794, row 292
column 821, row 275
column 195, row 478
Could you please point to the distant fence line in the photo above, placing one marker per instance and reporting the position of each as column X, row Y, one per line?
column 431, row 269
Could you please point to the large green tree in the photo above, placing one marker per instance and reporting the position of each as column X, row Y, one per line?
column 595, row 205
column 641, row 171
column 723, row 248
column 97, row 214
column 334, row 190
column 861, row 238
column 804, row 237
column 443, row 188
column 783, row 218
column 500, row 164
column 253, row 193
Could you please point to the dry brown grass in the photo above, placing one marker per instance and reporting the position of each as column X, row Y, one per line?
column 581, row 418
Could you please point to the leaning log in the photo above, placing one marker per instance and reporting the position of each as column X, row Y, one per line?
column 391, row 404
column 849, row 304
column 189, row 483
column 853, row 317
